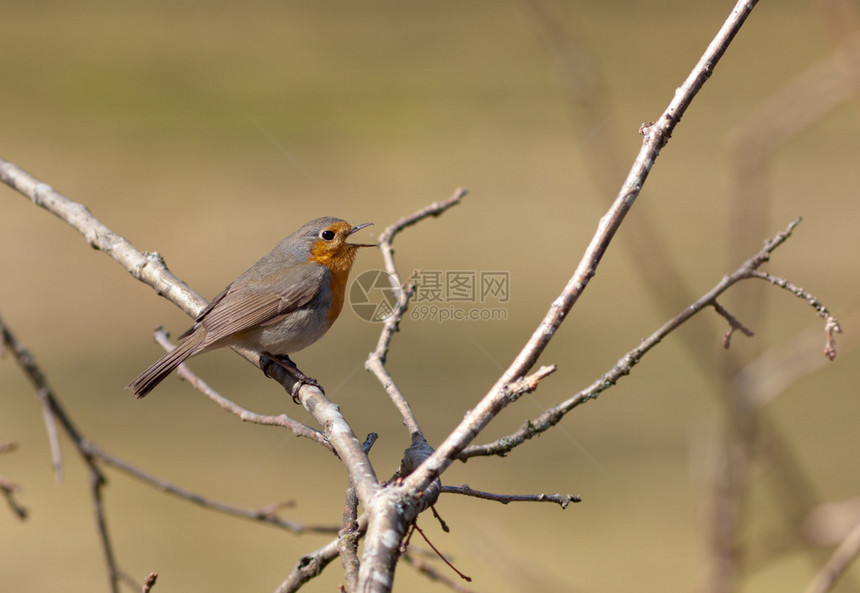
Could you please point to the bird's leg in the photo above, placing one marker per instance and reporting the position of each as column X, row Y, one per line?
column 284, row 362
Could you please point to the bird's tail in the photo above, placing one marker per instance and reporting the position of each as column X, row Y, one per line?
column 155, row 374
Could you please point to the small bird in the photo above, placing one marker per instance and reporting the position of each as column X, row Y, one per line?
column 283, row 303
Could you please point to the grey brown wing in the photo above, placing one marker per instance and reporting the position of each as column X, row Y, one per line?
column 241, row 308
column 205, row 312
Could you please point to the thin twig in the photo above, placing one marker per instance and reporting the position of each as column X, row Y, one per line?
column 431, row 572
column 563, row 500
column 831, row 325
column 38, row 380
column 262, row 515
column 28, row 364
column 298, row 429
column 376, row 360
column 460, row 574
column 551, row 416
column 9, row 488
column 734, row 325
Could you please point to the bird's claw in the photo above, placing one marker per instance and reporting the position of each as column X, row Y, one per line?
column 290, row 367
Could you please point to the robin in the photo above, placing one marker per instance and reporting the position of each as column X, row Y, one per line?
column 283, row 303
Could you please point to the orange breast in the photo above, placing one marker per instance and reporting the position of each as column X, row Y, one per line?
column 338, row 290
column 339, row 262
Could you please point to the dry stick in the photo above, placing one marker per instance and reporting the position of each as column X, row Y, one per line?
column 551, row 416
column 563, row 500
column 297, row 428
column 48, row 417
column 390, row 515
column 430, row 571
column 588, row 100
column 150, row 269
column 831, row 326
column 415, row 527
column 97, row 480
column 263, row 515
column 8, row 488
column 770, row 374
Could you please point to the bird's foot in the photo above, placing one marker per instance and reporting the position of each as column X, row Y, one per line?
column 299, row 378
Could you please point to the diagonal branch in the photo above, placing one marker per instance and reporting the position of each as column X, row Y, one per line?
column 96, row 478
column 551, row 416
column 656, row 136
column 297, row 428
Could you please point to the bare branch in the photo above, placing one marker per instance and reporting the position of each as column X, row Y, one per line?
column 466, row 578
column 656, row 136
column 376, row 361
column 34, row 373
column 563, row 500
column 734, row 325
column 263, row 515
column 147, row 267
column 9, row 488
column 433, row 573
column 831, row 325
column 299, row 429
column 97, row 479
column 551, row 416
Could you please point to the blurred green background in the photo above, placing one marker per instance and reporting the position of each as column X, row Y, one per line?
column 209, row 130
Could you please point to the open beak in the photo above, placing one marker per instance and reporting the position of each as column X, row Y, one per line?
column 357, row 228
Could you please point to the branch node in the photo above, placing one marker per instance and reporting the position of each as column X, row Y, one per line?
column 734, row 325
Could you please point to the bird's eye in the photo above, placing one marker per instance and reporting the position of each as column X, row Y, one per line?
column 327, row 234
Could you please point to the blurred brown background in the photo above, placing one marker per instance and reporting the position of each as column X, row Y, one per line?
column 208, row 130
